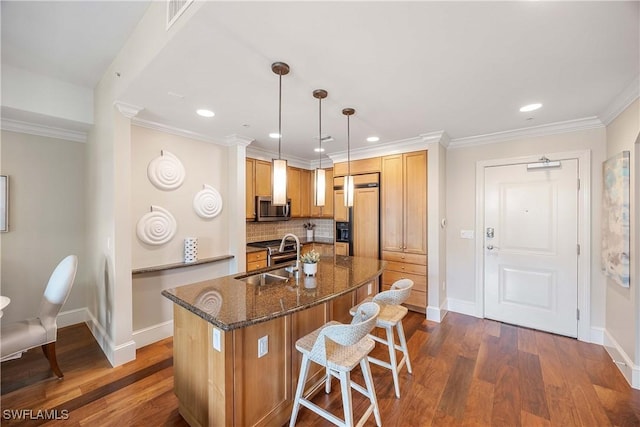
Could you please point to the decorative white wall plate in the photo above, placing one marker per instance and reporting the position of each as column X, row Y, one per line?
column 156, row 227
column 207, row 202
column 166, row 172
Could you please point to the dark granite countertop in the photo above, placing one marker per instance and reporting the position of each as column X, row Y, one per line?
column 231, row 303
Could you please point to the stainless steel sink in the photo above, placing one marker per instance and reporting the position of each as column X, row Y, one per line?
column 268, row 278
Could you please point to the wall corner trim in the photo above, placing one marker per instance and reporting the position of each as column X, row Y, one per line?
column 117, row 355
column 154, row 333
column 621, row 102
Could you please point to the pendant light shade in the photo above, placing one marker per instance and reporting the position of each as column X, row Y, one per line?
column 279, row 165
column 348, row 180
column 319, row 177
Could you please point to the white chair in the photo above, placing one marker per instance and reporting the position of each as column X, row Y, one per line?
column 340, row 348
column 18, row 337
column 391, row 315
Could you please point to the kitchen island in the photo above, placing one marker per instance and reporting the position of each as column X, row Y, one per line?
column 235, row 361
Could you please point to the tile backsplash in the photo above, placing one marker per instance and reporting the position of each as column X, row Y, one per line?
column 258, row 231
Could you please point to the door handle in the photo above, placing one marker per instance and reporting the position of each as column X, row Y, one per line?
column 491, row 247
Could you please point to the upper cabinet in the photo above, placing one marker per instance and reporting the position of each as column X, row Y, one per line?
column 325, row 211
column 404, row 203
column 258, row 183
column 357, row 167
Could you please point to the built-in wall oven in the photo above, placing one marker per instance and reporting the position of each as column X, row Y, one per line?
column 274, row 255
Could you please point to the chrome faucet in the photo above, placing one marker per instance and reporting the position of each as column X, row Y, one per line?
column 297, row 266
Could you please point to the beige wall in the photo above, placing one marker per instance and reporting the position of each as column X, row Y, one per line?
column 461, row 205
column 204, row 163
column 622, row 317
column 47, row 207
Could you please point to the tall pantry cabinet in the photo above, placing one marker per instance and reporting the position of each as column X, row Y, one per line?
column 404, row 223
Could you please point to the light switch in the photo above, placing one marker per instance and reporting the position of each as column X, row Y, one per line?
column 466, row 234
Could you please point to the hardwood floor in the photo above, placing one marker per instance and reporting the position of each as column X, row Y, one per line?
column 466, row 372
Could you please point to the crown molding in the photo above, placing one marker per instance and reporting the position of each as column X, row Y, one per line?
column 127, row 110
column 621, row 102
column 421, row 142
column 239, row 140
column 262, row 154
column 177, row 131
column 43, row 130
column 530, row 132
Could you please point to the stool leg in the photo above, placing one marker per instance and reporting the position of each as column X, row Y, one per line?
column 368, row 380
column 345, row 385
column 302, row 378
column 403, row 344
column 392, row 359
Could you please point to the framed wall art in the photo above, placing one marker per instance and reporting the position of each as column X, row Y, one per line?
column 615, row 219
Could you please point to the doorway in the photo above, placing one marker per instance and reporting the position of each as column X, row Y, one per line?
column 533, row 245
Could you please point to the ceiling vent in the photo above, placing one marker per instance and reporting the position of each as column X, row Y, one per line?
column 175, row 8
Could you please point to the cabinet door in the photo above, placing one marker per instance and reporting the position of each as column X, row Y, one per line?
column 365, row 223
column 327, row 210
column 342, row 249
column 263, row 178
column 306, row 196
column 415, row 202
column 392, row 204
column 340, row 211
column 250, row 178
column 293, row 191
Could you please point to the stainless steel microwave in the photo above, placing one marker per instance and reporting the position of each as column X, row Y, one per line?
column 266, row 211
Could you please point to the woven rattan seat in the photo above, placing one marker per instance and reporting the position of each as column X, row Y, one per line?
column 340, row 348
column 390, row 317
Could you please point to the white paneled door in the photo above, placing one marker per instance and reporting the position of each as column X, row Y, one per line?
column 531, row 246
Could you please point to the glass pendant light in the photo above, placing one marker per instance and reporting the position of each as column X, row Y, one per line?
column 279, row 165
column 348, row 180
column 319, row 178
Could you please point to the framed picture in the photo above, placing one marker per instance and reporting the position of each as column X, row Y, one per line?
column 4, row 203
column 615, row 219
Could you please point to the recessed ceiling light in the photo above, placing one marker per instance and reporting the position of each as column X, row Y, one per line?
column 274, row 135
column 318, row 150
column 530, row 107
column 373, row 139
column 205, row 113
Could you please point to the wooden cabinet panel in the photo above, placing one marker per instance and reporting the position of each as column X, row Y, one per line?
column 251, row 266
column 250, row 178
column 306, row 195
column 390, row 277
column 366, row 225
column 402, row 257
column 340, row 307
column 303, row 323
column 366, row 291
column 391, row 204
column 415, row 202
column 325, row 211
column 407, row 268
column 340, row 211
column 342, row 248
column 357, row 166
column 263, row 178
column 293, row 191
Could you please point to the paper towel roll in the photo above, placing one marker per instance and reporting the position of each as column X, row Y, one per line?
column 190, row 249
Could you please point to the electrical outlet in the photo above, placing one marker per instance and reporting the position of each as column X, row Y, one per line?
column 444, row 285
column 216, row 339
column 467, row 234
column 369, row 289
column 263, row 346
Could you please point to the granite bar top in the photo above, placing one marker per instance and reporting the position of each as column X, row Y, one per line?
column 231, row 303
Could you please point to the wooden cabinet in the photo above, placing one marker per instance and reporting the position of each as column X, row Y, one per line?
column 293, row 191
column 306, row 195
column 342, row 249
column 404, row 222
column 324, row 249
column 357, row 167
column 257, row 183
column 325, row 211
column 256, row 260
column 340, row 211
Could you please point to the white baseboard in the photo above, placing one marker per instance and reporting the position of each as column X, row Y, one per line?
column 622, row 360
column 596, row 336
column 72, row 317
column 117, row 355
column 436, row 314
column 146, row 336
column 462, row 307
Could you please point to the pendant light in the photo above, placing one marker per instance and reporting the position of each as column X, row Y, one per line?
column 348, row 180
column 279, row 165
column 319, row 178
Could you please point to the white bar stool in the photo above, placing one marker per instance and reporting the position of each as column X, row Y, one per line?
column 391, row 315
column 340, row 348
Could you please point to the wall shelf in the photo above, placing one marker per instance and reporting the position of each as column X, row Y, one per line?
column 173, row 266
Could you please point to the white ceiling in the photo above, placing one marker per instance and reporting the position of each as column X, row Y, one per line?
column 407, row 68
